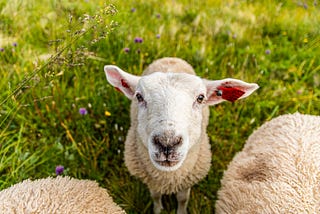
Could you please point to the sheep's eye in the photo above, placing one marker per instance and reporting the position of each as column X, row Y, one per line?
column 139, row 97
column 200, row 98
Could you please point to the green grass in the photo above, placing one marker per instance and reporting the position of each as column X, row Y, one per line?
column 272, row 43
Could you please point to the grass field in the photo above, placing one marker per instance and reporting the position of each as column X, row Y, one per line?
column 56, row 107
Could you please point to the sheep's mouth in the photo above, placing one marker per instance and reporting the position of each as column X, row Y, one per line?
column 166, row 159
column 167, row 163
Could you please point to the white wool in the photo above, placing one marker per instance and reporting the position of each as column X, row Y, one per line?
column 278, row 170
column 57, row 195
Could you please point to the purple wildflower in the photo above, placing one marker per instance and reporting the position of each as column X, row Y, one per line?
column 268, row 51
column 133, row 10
column 158, row 16
column 83, row 111
column 138, row 40
column 158, row 36
column 299, row 91
column 1, row 49
column 15, row 44
column 59, row 170
column 126, row 50
column 305, row 6
column 138, row 51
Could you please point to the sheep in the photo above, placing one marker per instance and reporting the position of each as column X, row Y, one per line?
column 167, row 145
column 278, row 170
column 57, row 195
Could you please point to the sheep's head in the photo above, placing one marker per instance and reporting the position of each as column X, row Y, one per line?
column 170, row 109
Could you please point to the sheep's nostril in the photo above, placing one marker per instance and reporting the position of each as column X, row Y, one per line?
column 177, row 141
column 157, row 141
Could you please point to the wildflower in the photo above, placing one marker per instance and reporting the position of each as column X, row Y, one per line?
column 133, row 10
column 126, row 50
column 158, row 16
column 305, row 40
column 108, row 114
column 59, row 170
column 158, row 36
column 83, row 111
column 138, row 40
column 1, row 49
column 15, row 44
column 305, row 6
column 268, row 51
column 138, row 51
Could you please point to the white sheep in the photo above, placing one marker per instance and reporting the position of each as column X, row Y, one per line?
column 57, row 195
column 167, row 145
column 278, row 170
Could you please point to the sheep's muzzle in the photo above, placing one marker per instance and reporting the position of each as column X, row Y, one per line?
column 167, row 145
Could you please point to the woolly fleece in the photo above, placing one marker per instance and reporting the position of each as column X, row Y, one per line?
column 198, row 160
column 57, row 195
column 278, row 170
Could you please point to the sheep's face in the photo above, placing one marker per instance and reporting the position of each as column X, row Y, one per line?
column 169, row 116
column 170, row 109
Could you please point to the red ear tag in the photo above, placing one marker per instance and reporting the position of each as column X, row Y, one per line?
column 231, row 94
column 124, row 83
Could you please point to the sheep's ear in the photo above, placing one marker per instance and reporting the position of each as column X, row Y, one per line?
column 228, row 89
column 121, row 80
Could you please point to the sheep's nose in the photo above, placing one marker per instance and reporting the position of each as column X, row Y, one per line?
column 167, row 142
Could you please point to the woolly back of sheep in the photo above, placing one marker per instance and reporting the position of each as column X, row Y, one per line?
column 57, row 195
column 278, row 170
